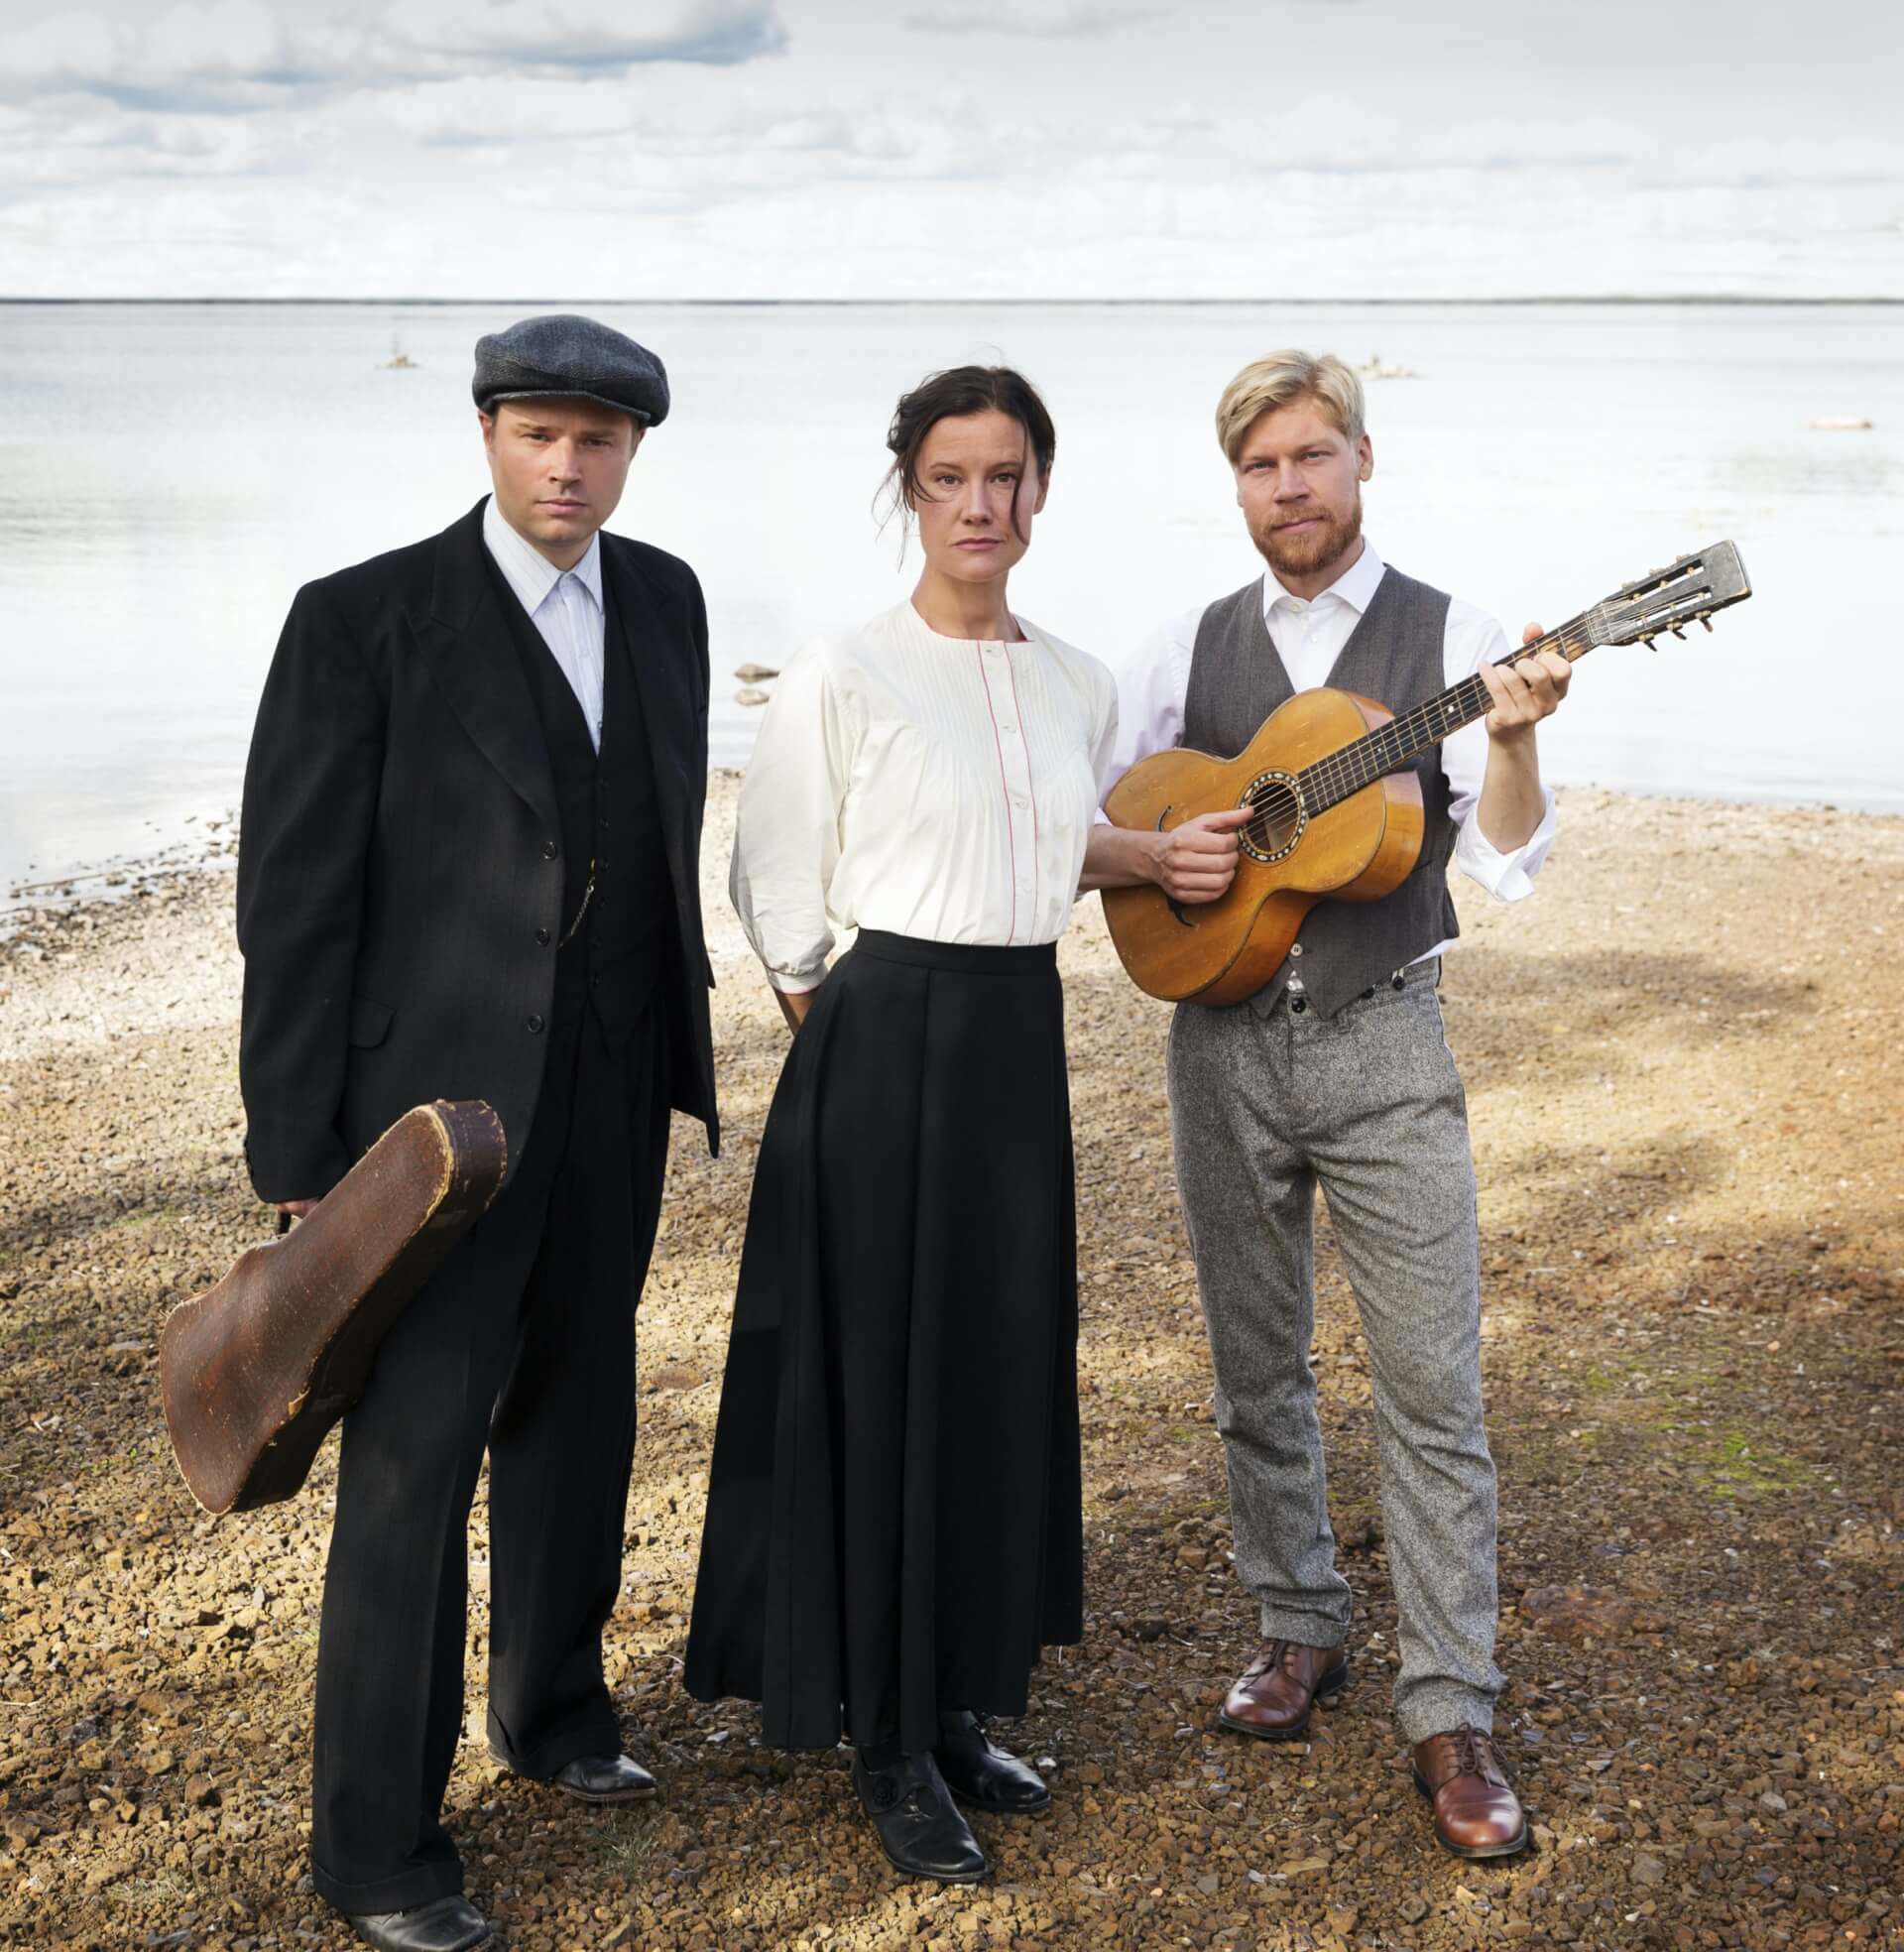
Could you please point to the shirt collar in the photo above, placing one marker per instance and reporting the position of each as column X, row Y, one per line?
column 1355, row 586
column 529, row 571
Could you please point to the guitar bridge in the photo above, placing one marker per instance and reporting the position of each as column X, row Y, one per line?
column 1280, row 817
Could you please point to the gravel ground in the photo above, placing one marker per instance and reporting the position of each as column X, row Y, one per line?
column 1684, row 1066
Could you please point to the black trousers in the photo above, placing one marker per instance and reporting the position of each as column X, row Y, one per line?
column 524, row 1345
column 894, row 1518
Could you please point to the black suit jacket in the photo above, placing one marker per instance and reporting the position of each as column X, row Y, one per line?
column 399, row 875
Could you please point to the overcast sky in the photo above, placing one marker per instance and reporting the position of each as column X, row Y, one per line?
column 575, row 149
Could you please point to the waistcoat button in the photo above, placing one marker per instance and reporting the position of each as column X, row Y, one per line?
column 549, row 850
column 535, row 1025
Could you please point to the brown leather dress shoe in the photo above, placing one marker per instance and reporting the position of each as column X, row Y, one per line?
column 1477, row 1813
column 1273, row 1696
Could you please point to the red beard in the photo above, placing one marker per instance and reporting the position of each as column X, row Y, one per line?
column 1317, row 549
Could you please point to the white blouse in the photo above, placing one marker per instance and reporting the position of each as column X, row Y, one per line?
column 927, row 785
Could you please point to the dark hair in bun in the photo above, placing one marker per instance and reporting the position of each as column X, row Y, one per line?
column 952, row 395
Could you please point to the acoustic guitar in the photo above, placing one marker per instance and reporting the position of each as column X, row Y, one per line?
column 1337, row 813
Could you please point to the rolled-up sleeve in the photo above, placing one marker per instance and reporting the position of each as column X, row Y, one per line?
column 1472, row 640
column 787, row 840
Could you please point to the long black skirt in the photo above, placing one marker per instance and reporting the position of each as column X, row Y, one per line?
column 894, row 1523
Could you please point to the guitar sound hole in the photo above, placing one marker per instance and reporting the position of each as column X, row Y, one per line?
column 1280, row 817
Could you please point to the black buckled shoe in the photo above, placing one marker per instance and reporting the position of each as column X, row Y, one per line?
column 919, row 1826
column 978, row 1772
column 444, row 1924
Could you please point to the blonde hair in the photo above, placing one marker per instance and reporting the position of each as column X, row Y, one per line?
column 1277, row 379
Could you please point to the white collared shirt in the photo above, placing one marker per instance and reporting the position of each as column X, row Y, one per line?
column 930, row 785
column 1309, row 637
column 564, row 605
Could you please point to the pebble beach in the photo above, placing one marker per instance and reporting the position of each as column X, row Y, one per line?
column 1684, row 1060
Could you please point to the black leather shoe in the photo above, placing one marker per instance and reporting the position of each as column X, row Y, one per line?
column 919, row 1826
column 980, row 1772
column 605, row 1779
column 594, row 1778
column 444, row 1924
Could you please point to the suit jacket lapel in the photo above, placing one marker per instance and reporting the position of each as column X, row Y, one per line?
column 468, row 644
column 654, row 631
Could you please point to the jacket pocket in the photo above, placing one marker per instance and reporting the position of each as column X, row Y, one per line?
column 369, row 1021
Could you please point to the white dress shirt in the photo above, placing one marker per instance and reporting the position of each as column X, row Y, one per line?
column 1309, row 637
column 928, row 786
column 564, row 605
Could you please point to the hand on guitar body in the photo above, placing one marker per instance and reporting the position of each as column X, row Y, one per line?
column 1191, row 863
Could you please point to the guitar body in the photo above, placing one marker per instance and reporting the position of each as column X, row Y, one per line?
column 1358, row 851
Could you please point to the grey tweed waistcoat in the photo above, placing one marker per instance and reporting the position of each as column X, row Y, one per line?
column 1394, row 657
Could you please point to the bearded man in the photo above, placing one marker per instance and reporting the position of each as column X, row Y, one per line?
column 1336, row 1073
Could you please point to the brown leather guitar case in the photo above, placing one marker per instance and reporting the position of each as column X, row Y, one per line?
column 256, row 1371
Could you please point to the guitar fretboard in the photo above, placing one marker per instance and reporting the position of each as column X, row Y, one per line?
column 1352, row 767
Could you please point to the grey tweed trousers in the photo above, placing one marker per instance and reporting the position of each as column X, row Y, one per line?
column 1268, row 1100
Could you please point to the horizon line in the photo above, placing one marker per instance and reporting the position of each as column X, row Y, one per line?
column 764, row 304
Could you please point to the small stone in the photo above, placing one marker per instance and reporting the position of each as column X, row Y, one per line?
column 1577, row 1612
column 1208, row 1885
column 1648, row 1870
column 1413, row 1910
column 1343, row 1919
column 1774, row 1801
column 201, row 1793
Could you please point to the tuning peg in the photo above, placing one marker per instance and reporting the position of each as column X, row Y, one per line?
column 1649, row 644
column 1677, row 633
column 1706, row 621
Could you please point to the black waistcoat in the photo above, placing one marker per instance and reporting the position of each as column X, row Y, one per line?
column 1394, row 655
column 608, row 816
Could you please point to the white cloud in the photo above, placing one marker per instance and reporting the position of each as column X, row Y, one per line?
column 456, row 148
column 235, row 54
column 1071, row 19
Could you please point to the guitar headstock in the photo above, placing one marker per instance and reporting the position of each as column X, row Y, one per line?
column 1688, row 591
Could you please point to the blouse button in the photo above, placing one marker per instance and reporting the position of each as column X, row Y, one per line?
column 1005, row 725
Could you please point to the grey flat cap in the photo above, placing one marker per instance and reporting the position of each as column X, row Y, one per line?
column 562, row 353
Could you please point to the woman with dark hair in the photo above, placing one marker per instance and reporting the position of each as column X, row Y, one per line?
column 893, row 1526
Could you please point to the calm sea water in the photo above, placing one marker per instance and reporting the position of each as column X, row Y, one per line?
column 169, row 475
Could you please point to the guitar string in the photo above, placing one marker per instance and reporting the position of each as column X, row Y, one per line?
column 1333, row 779
column 1352, row 767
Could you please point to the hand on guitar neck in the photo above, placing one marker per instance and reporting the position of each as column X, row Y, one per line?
column 1523, row 694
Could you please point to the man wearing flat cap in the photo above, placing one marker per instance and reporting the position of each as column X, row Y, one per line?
column 469, row 869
